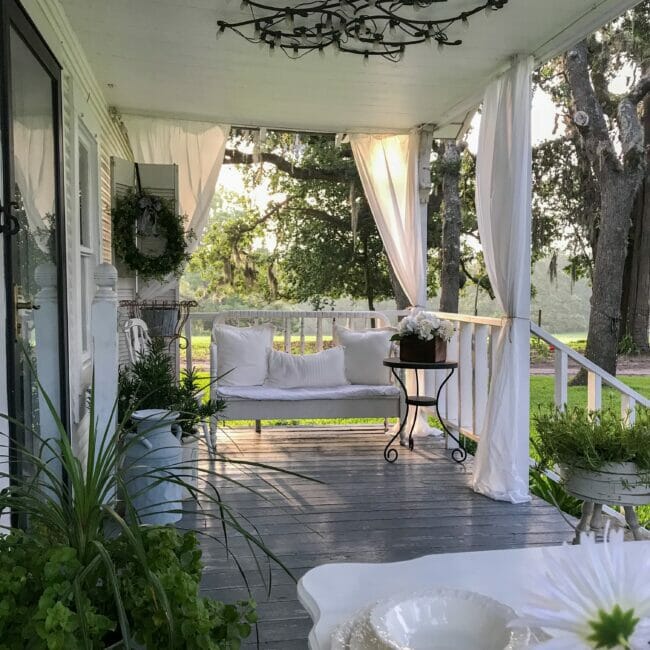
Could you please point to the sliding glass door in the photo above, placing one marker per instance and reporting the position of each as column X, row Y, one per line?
column 33, row 234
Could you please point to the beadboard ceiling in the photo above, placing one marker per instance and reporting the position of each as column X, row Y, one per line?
column 161, row 57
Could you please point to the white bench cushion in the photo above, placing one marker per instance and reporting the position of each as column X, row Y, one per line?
column 271, row 393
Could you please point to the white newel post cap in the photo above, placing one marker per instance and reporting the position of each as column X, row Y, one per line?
column 105, row 275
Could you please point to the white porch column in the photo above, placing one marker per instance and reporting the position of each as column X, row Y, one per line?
column 105, row 351
column 503, row 206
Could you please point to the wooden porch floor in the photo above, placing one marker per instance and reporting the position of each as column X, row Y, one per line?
column 365, row 510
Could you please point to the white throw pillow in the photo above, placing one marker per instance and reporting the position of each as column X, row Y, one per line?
column 365, row 351
column 320, row 370
column 242, row 353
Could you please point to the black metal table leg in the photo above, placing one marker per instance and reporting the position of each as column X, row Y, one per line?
column 391, row 454
column 459, row 454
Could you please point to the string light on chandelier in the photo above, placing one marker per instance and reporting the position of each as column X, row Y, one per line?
column 365, row 27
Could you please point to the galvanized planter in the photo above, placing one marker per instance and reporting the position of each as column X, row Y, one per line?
column 615, row 484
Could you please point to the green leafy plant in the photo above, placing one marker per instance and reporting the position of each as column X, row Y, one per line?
column 552, row 492
column 150, row 383
column 128, row 211
column 578, row 438
column 80, row 575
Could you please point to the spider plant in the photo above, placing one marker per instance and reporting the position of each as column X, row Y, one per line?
column 82, row 575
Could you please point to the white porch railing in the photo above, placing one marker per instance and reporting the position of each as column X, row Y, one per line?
column 464, row 399
column 596, row 377
column 290, row 324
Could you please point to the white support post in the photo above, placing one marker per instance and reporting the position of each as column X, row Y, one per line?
column 451, row 388
column 628, row 410
column 465, row 376
column 46, row 318
column 105, row 351
column 561, row 379
column 594, row 391
column 481, row 376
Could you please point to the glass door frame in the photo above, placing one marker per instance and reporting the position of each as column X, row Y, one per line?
column 12, row 15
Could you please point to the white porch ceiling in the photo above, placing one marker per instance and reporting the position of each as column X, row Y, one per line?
column 161, row 57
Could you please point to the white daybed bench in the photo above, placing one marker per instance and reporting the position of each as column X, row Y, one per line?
column 270, row 402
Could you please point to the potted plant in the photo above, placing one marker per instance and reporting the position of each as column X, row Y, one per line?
column 423, row 337
column 151, row 383
column 78, row 575
column 599, row 457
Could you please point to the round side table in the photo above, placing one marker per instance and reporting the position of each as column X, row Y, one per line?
column 459, row 454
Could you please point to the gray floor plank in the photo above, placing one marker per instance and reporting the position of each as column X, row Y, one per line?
column 364, row 510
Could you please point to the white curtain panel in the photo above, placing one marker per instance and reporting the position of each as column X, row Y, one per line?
column 388, row 167
column 389, row 172
column 34, row 157
column 198, row 149
column 503, row 206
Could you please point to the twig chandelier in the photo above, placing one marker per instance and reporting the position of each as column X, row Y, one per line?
column 365, row 27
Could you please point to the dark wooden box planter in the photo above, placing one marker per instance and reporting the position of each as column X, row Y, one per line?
column 415, row 349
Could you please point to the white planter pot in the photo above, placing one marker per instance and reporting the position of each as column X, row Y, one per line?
column 614, row 484
column 153, row 452
column 190, row 463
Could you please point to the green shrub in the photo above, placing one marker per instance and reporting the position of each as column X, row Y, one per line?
column 150, row 383
column 577, row 438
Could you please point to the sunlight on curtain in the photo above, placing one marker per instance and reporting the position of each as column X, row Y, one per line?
column 198, row 149
column 503, row 206
column 388, row 167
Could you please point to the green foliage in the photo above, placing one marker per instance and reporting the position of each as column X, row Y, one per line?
column 45, row 605
column 577, row 438
column 128, row 211
column 150, row 383
column 552, row 492
column 81, row 576
column 627, row 345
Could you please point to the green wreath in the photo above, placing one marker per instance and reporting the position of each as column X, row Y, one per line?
column 128, row 210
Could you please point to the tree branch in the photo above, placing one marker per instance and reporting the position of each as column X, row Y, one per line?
column 236, row 157
column 598, row 144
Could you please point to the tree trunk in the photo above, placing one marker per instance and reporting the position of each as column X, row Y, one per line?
column 619, row 180
column 451, row 226
column 635, row 304
column 607, row 288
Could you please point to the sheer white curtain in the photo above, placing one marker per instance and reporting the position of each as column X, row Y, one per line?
column 34, row 157
column 388, row 167
column 503, row 205
column 198, row 149
column 389, row 171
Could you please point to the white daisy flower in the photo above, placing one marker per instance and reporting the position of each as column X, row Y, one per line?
column 599, row 600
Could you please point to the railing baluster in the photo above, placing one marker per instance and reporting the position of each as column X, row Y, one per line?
column 495, row 331
column 594, row 391
column 465, row 376
column 451, row 388
column 628, row 410
column 287, row 334
column 319, row 333
column 481, row 376
column 561, row 377
column 302, row 335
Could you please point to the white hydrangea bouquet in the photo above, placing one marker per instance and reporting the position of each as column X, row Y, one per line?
column 423, row 337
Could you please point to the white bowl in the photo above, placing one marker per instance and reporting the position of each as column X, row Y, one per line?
column 446, row 619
